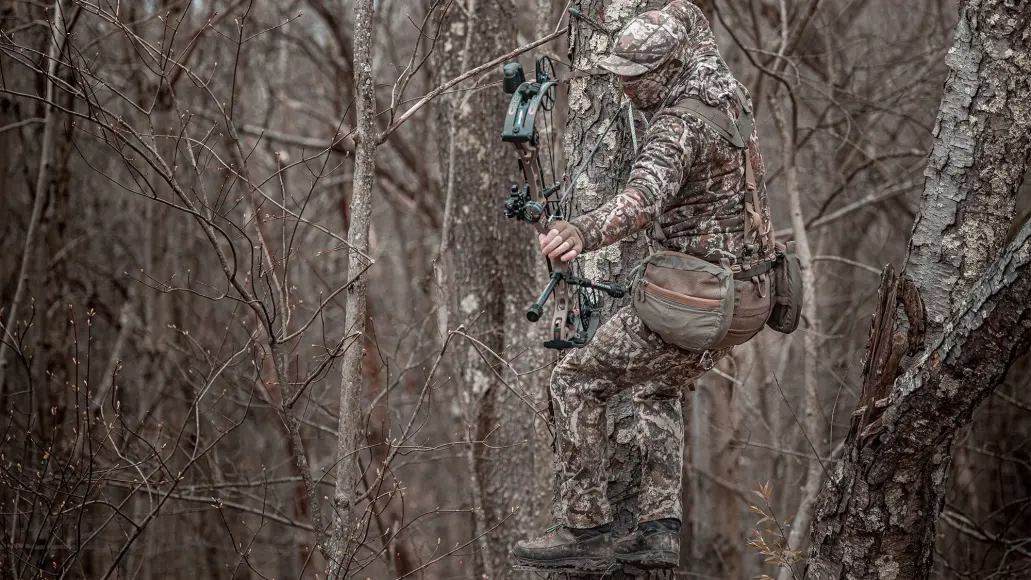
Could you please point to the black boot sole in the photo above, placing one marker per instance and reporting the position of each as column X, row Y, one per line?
column 652, row 559
column 577, row 564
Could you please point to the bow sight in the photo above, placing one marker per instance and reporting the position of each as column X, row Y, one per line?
column 521, row 206
column 576, row 317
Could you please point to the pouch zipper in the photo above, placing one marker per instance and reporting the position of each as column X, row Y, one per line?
column 677, row 297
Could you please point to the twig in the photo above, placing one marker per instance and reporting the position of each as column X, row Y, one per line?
column 859, row 265
column 466, row 75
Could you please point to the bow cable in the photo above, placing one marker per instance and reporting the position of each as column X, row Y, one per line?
column 576, row 314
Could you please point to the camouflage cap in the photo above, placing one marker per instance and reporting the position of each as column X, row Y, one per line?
column 644, row 44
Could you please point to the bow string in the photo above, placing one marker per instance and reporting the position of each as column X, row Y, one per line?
column 540, row 201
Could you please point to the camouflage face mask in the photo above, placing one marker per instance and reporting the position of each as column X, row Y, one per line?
column 645, row 91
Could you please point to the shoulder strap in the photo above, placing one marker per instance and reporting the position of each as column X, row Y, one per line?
column 745, row 125
column 745, row 122
column 738, row 132
column 717, row 119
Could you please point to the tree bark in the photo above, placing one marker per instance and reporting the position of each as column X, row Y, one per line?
column 594, row 103
column 345, row 516
column 978, row 160
column 925, row 374
column 488, row 272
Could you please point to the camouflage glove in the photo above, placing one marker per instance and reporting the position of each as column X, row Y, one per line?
column 563, row 241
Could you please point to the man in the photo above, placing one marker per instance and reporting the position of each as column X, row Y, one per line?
column 690, row 180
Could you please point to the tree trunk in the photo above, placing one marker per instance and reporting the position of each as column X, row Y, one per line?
column 712, row 546
column 810, row 345
column 926, row 373
column 43, row 175
column 593, row 104
column 343, row 538
column 488, row 272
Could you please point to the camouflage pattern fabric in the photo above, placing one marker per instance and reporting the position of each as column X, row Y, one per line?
column 645, row 44
column 692, row 181
column 624, row 354
column 685, row 175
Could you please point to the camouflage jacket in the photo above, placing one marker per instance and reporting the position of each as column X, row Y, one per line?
column 686, row 175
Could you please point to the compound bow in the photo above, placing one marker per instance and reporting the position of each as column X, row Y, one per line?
column 576, row 314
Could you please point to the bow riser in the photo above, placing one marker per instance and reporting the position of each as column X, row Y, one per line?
column 562, row 329
column 522, row 111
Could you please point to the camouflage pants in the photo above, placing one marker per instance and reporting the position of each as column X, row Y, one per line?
column 623, row 355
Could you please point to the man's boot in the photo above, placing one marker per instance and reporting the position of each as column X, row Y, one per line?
column 588, row 549
column 654, row 544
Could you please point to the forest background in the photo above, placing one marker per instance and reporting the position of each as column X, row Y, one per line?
column 263, row 313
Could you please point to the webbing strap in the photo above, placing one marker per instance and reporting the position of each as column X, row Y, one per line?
column 737, row 132
column 723, row 124
column 745, row 123
column 657, row 232
column 754, row 271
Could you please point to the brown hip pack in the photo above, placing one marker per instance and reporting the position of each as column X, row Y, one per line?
column 697, row 305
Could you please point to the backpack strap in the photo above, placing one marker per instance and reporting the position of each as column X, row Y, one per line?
column 738, row 132
column 745, row 125
column 745, row 122
column 715, row 118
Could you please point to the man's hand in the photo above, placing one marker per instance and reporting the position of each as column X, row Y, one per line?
column 563, row 241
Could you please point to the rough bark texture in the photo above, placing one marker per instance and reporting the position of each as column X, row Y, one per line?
column 978, row 159
column 488, row 291
column 876, row 518
column 349, row 428
column 593, row 103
